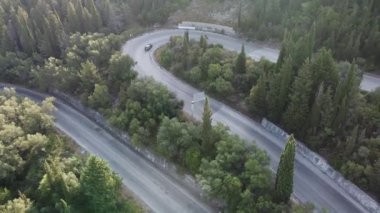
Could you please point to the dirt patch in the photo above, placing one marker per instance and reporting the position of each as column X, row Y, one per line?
column 209, row 11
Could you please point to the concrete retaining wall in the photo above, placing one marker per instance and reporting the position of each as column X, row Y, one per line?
column 351, row 189
column 208, row 27
column 169, row 168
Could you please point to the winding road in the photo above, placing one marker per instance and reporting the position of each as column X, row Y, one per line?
column 310, row 184
column 160, row 192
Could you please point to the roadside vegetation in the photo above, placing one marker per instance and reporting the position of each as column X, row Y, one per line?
column 308, row 94
column 349, row 28
column 87, row 65
column 73, row 46
column 222, row 163
column 41, row 173
column 70, row 46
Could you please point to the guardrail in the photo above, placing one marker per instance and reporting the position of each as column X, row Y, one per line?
column 317, row 160
column 185, row 179
column 207, row 27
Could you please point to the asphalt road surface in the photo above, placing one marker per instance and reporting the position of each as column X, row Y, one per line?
column 155, row 188
column 310, row 184
column 370, row 82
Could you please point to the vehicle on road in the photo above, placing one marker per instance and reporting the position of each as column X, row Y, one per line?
column 148, row 47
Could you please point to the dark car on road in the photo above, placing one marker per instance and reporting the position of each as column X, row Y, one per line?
column 148, row 47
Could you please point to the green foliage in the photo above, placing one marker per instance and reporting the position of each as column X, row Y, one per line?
column 147, row 102
column 238, row 175
column 284, row 177
column 208, row 145
column 208, row 66
column 349, row 28
column 37, row 165
column 203, row 43
column 57, row 186
column 279, row 90
column 310, row 95
column 51, row 75
column 43, row 26
column 178, row 141
column 97, row 48
column 154, row 11
column 5, row 195
column 18, row 205
column 15, row 68
column 240, row 63
column 297, row 113
column 257, row 99
column 99, row 186
column 100, row 98
column 88, row 76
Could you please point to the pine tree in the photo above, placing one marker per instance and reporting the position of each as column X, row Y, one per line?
column 257, row 98
column 240, row 63
column 80, row 13
column 73, row 19
column 203, row 43
column 25, row 32
column 321, row 116
column 206, row 132
column 186, row 38
column 327, row 110
column 279, row 90
column 344, row 97
column 185, row 50
column 53, row 186
column 89, row 25
column 99, row 186
column 106, row 13
column 315, row 113
column 350, row 143
column 296, row 115
column 96, row 18
column 285, row 172
column 51, row 41
column 324, row 70
column 287, row 43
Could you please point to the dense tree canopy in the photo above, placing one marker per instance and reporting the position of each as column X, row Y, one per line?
column 350, row 28
column 310, row 94
column 39, row 173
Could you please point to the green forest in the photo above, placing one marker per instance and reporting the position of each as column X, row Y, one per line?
column 87, row 64
column 309, row 94
column 74, row 46
column 350, row 28
column 71, row 46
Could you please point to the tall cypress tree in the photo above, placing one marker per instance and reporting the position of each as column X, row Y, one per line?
column 279, row 90
column 344, row 97
column 203, row 43
column 25, row 31
column 99, row 186
column 324, row 70
column 96, row 18
column 285, row 172
column 257, row 98
column 240, row 64
column 185, row 49
column 73, row 19
column 296, row 115
column 206, row 132
column 186, row 38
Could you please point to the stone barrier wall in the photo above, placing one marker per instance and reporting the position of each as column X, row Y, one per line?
column 161, row 163
column 208, row 27
column 351, row 189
